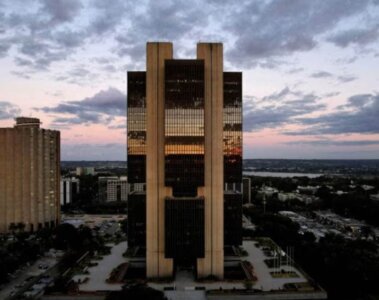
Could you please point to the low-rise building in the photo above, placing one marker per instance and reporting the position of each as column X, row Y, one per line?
column 69, row 190
column 80, row 171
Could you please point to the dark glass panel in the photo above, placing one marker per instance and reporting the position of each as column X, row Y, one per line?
column 184, row 228
column 232, row 127
column 136, row 126
column 184, row 126
column 232, row 218
column 137, row 219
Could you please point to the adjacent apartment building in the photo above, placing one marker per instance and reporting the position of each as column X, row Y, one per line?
column 185, row 142
column 29, row 175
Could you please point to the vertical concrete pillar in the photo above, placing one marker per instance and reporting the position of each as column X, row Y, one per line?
column 213, row 262
column 18, row 180
column 9, row 182
column 26, row 177
column 157, row 264
column 58, row 177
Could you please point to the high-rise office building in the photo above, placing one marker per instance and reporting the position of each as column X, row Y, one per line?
column 29, row 175
column 185, row 142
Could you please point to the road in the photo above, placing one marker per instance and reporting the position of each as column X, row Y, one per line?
column 24, row 273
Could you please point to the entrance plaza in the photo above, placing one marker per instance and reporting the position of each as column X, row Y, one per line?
column 282, row 277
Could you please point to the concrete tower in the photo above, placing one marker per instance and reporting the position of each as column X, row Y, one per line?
column 185, row 142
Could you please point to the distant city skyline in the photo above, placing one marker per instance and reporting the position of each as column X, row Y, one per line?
column 310, row 70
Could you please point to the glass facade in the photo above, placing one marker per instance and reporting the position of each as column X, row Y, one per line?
column 184, row 228
column 184, row 157
column 232, row 127
column 232, row 157
column 232, row 218
column 184, row 126
column 137, row 219
column 136, row 125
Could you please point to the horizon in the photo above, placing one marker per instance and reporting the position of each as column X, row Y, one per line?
column 342, row 159
column 310, row 85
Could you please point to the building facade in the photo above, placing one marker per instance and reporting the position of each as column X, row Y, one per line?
column 69, row 190
column 82, row 171
column 246, row 190
column 29, row 175
column 113, row 188
column 185, row 142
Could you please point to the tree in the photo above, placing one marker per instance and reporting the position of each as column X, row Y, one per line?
column 248, row 284
column 12, row 227
column 124, row 226
column 20, row 226
column 66, row 236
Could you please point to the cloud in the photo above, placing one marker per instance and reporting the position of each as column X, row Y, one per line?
column 69, row 38
column 358, row 36
column 38, row 54
column 4, row 47
column 347, row 60
column 167, row 21
column 257, row 33
column 342, row 143
column 107, row 16
column 346, row 78
column 362, row 117
column 331, row 94
column 295, row 70
column 43, row 32
column 321, row 74
column 61, row 11
column 8, row 110
column 277, row 28
column 278, row 109
column 101, row 108
column 359, row 101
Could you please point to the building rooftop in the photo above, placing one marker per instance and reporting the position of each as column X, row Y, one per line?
column 27, row 122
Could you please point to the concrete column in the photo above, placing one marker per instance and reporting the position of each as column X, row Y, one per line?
column 26, row 177
column 213, row 263
column 157, row 266
column 18, row 179
column 58, row 177
column 10, row 171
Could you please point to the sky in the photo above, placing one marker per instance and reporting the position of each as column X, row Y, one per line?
column 310, row 69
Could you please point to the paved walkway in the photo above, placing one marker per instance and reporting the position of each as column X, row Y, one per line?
column 184, row 283
column 265, row 281
column 99, row 274
column 185, row 295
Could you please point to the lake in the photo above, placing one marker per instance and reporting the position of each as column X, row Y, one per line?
column 281, row 174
